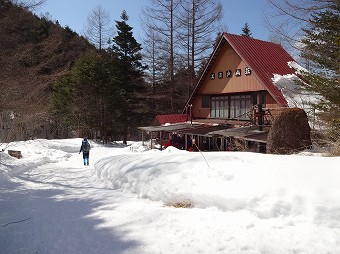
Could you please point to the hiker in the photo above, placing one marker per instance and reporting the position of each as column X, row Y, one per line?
column 85, row 148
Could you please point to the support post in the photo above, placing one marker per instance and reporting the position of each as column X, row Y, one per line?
column 160, row 139
column 150, row 140
column 142, row 138
column 260, row 117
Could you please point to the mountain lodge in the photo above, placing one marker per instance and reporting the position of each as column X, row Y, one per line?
column 235, row 98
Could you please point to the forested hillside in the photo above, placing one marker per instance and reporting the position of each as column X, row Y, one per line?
column 34, row 53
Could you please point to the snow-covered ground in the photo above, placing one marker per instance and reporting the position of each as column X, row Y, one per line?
column 128, row 201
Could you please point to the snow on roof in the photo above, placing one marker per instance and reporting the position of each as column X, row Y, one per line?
column 264, row 58
column 295, row 66
column 293, row 93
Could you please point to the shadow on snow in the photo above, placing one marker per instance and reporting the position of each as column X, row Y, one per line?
column 35, row 221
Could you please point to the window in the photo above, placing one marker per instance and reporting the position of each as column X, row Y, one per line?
column 240, row 105
column 232, row 106
column 219, row 107
column 205, row 101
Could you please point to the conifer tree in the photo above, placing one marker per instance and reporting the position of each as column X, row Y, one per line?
column 81, row 100
column 322, row 49
column 246, row 30
column 128, row 69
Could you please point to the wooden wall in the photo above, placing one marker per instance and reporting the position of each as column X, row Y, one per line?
column 228, row 59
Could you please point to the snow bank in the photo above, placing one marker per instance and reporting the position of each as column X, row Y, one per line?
column 231, row 182
column 36, row 153
column 5, row 161
column 40, row 152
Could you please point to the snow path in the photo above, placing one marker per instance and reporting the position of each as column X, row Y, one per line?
column 66, row 209
column 91, row 217
column 67, row 198
column 53, row 204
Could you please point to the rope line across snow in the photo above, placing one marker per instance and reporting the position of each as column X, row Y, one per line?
column 15, row 222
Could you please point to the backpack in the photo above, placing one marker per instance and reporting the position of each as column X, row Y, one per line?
column 86, row 146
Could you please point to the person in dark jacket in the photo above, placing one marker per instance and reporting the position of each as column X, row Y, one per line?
column 85, row 148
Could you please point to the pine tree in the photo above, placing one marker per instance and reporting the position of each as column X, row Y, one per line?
column 246, row 30
column 82, row 100
column 129, row 75
column 322, row 48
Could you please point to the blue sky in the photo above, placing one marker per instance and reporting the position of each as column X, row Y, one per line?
column 236, row 13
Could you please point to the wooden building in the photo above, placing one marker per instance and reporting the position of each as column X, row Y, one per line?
column 238, row 76
column 236, row 92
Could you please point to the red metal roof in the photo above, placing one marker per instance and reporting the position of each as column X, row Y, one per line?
column 174, row 118
column 264, row 59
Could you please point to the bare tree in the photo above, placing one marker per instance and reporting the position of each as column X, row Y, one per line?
column 199, row 20
column 152, row 57
column 28, row 4
column 289, row 18
column 160, row 19
column 185, row 32
column 97, row 29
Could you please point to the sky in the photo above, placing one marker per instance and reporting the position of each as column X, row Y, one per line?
column 236, row 13
column 133, row 200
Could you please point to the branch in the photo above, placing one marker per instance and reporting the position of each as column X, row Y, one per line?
column 28, row 4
